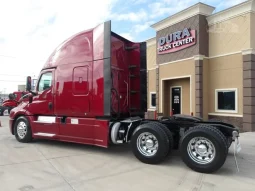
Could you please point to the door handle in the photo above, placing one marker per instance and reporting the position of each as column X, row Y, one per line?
column 50, row 105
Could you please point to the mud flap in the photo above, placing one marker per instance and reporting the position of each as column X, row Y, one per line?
column 237, row 146
column 237, row 149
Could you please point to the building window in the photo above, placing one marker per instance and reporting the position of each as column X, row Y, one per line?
column 152, row 100
column 226, row 100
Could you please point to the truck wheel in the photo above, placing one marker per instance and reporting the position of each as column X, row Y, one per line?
column 204, row 148
column 150, row 143
column 22, row 130
column 169, row 135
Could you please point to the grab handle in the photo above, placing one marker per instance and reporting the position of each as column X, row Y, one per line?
column 127, row 91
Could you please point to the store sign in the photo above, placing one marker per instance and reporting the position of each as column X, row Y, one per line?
column 176, row 41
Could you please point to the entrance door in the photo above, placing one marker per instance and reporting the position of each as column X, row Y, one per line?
column 176, row 100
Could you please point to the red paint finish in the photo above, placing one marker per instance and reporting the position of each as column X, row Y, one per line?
column 97, row 98
column 120, row 74
column 77, row 92
column 98, row 42
column 10, row 103
column 71, row 99
column 88, row 130
column 134, row 58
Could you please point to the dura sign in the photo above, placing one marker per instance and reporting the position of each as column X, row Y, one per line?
column 176, row 41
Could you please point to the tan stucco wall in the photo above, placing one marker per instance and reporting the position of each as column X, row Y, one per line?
column 177, row 70
column 151, row 57
column 225, row 72
column 151, row 85
column 252, row 30
column 232, row 35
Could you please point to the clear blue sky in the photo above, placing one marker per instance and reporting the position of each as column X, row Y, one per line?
column 30, row 30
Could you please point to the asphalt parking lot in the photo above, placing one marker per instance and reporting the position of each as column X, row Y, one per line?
column 51, row 165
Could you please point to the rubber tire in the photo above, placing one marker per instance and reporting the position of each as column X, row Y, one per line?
column 163, row 142
column 28, row 137
column 216, row 137
column 169, row 135
column 229, row 141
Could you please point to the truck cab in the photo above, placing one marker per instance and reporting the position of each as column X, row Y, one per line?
column 90, row 79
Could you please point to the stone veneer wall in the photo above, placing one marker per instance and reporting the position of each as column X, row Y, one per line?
column 249, row 92
column 237, row 121
column 199, row 87
column 157, row 89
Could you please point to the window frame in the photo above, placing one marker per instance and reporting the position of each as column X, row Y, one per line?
column 153, row 107
column 38, row 82
column 236, row 100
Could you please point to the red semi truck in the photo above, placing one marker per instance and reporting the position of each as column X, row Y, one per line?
column 92, row 90
column 12, row 102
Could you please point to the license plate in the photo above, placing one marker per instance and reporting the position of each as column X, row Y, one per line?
column 237, row 145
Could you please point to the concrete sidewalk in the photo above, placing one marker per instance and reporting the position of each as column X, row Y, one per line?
column 57, row 166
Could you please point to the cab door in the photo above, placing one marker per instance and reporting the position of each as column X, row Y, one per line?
column 42, row 107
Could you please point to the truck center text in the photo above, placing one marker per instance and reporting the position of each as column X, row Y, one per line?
column 176, row 44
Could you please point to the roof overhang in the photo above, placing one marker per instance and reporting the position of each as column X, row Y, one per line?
column 237, row 10
column 198, row 8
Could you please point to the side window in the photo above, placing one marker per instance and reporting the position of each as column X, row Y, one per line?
column 45, row 81
column 226, row 100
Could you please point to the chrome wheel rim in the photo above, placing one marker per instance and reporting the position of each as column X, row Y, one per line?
column 147, row 144
column 22, row 129
column 201, row 150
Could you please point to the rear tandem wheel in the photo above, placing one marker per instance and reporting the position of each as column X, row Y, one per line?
column 150, row 143
column 169, row 135
column 204, row 148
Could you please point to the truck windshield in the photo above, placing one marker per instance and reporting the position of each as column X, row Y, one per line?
column 45, row 81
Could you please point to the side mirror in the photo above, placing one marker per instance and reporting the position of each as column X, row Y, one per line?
column 28, row 84
column 30, row 98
